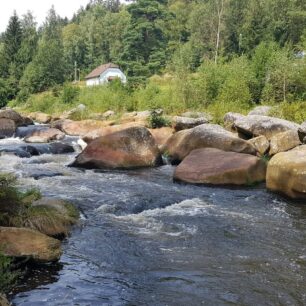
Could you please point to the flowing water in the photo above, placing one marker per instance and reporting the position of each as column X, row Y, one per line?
column 144, row 240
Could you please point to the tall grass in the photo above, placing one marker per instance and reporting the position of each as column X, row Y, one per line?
column 209, row 90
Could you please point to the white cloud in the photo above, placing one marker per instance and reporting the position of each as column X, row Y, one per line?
column 38, row 7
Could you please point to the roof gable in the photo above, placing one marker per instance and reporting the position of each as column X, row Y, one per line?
column 99, row 70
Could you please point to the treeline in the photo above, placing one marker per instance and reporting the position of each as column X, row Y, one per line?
column 218, row 50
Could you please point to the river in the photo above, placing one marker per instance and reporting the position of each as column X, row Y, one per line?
column 144, row 240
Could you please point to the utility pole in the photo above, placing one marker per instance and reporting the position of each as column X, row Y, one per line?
column 220, row 8
column 75, row 72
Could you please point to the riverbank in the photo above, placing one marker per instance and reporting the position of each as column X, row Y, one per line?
column 243, row 152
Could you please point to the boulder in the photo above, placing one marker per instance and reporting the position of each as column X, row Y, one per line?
column 109, row 114
column 52, row 217
column 196, row 115
column 204, row 136
column 59, row 148
column 261, row 144
column 43, row 136
column 283, row 142
column 27, row 121
column 229, row 120
column 8, row 113
column 302, row 132
column 22, row 242
column 263, row 110
column 79, row 128
column 256, row 125
column 7, row 128
column 286, row 173
column 216, row 167
column 183, row 123
column 131, row 148
column 69, row 114
column 3, row 300
column 40, row 117
column 161, row 135
column 109, row 130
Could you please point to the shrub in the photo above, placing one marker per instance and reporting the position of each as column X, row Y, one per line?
column 158, row 121
column 70, row 94
column 8, row 277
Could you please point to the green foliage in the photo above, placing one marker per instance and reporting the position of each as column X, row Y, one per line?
column 70, row 94
column 7, row 276
column 158, row 121
column 295, row 111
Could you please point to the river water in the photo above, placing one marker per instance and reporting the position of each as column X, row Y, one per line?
column 144, row 240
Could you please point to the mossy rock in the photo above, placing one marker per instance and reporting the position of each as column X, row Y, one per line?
column 52, row 217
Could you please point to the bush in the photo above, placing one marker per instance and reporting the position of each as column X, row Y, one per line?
column 8, row 277
column 70, row 94
column 295, row 111
column 158, row 121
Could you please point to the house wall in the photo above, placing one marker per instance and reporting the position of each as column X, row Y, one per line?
column 112, row 72
column 92, row 82
column 103, row 79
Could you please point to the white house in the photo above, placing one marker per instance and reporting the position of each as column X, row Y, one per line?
column 105, row 74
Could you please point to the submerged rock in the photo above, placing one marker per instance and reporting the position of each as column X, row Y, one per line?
column 204, row 136
column 44, row 136
column 286, row 173
column 131, row 148
column 216, row 167
column 23, row 242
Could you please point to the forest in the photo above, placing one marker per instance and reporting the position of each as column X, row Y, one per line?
column 177, row 54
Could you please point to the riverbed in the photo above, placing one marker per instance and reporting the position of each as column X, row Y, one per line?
column 144, row 240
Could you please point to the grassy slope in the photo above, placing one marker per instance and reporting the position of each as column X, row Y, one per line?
column 161, row 92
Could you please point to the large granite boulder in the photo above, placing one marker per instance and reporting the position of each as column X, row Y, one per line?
column 216, row 167
column 190, row 114
column 131, row 148
column 286, row 173
column 161, row 135
column 262, row 110
column 261, row 144
column 79, row 128
column 45, row 135
column 109, row 130
column 40, row 117
column 256, row 125
column 283, row 142
column 302, row 132
column 7, row 128
column 183, row 123
column 10, row 114
column 204, row 136
column 229, row 120
column 22, row 242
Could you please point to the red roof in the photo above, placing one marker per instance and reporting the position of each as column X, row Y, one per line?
column 99, row 70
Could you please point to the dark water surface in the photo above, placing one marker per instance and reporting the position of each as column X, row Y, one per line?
column 144, row 240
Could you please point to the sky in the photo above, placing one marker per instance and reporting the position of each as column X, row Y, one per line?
column 38, row 7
